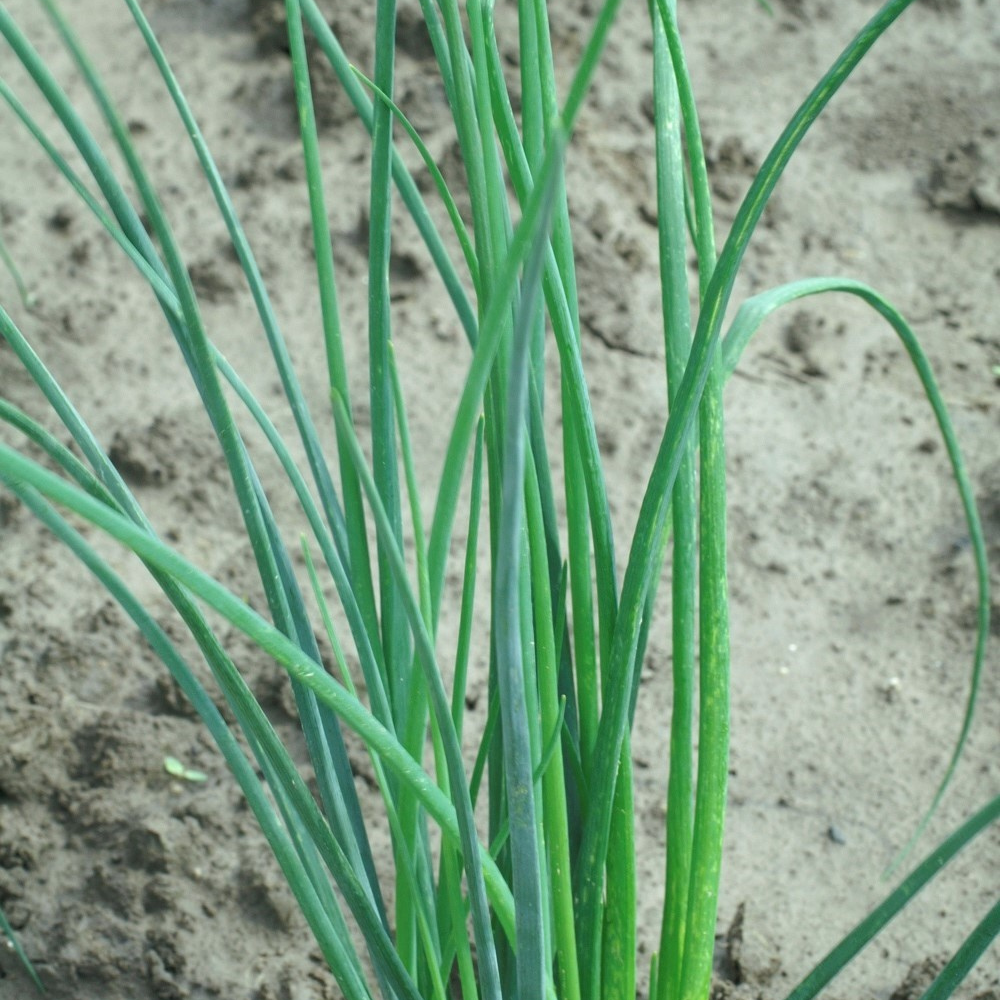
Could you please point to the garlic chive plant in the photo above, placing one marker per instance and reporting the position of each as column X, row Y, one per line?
column 533, row 902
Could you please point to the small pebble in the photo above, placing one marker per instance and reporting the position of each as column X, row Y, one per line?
column 836, row 834
column 890, row 690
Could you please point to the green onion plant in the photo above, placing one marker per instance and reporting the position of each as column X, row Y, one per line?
column 505, row 884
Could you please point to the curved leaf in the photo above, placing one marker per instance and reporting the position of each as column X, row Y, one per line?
column 748, row 319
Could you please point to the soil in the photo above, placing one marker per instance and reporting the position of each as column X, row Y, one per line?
column 852, row 580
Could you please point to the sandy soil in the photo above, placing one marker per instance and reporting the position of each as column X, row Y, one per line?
column 852, row 582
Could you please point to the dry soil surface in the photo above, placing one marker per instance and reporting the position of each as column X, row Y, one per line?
column 852, row 580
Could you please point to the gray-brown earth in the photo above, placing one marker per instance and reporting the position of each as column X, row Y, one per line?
column 852, row 581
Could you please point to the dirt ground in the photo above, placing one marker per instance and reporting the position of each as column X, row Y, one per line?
column 852, row 580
